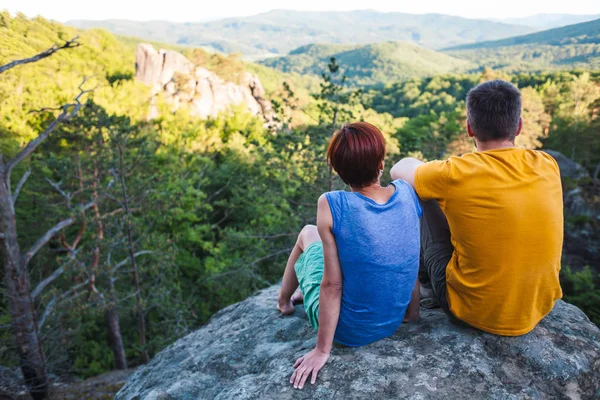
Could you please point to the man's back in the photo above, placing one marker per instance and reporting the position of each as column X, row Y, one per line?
column 504, row 210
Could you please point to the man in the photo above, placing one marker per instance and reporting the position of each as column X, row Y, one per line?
column 492, row 228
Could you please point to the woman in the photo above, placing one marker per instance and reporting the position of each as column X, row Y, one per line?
column 357, row 269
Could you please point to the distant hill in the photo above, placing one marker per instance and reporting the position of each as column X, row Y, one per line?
column 372, row 64
column 572, row 46
column 549, row 21
column 278, row 32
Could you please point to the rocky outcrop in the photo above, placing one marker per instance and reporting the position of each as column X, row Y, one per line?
column 581, row 196
column 575, row 203
column 568, row 168
column 203, row 91
column 247, row 350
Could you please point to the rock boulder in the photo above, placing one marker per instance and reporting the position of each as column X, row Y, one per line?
column 206, row 94
column 568, row 168
column 247, row 350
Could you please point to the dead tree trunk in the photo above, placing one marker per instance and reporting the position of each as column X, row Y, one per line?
column 22, row 310
column 21, row 304
column 131, row 251
column 111, row 314
column 115, row 340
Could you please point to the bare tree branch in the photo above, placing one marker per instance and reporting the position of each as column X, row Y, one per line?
column 228, row 213
column 56, row 186
column 253, row 263
column 20, row 186
column 52, row 303
column 126, row 260
column 47, row 312
column 247, row 267
column 51, row 233
column 218, row 192
column 112, row 198
column 42, row 285
column 80, row 233
column 46, row 238
column 68, row 45
column 280, row 235
column 68, row 111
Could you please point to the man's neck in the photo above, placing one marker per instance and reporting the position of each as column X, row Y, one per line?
column 494, row 145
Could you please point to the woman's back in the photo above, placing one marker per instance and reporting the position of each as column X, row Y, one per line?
column 378, row 247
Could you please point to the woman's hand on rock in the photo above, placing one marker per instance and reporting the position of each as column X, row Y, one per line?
column 304, row 366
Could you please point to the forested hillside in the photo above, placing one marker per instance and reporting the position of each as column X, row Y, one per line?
column 189, row 215
column 371, row 58
column 549, row 21
column 213, row 205
column 279, row 31
column 572, row 46
column 371, row 64
column 575, row 46
column 582, row 33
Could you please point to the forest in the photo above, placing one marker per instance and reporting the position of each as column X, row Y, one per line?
column 170, row 219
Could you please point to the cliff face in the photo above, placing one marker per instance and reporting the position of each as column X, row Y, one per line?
column 205, row 92
column 247, row 350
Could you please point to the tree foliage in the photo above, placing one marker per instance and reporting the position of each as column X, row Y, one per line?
column 214, row 204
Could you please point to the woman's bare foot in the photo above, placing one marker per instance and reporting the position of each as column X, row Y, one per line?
column 286, row 308
column 410, row 318
column 297, row 297
column 414, row 308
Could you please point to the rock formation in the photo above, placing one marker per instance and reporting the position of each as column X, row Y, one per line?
column 247, row 350
column 582, row 213
column 206, row 93
column 568, row 168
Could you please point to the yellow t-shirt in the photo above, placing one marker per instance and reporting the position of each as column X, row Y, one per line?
column 505, row 212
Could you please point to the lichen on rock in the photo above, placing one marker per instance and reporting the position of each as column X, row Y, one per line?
column 247, row 350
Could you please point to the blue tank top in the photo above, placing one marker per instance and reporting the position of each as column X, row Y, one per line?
column 378, row 247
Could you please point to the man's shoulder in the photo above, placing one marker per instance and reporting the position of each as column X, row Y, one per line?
column 544, row 155
column 518, row 153
column 543, row 161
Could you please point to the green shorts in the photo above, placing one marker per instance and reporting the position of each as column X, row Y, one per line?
column 309, row 270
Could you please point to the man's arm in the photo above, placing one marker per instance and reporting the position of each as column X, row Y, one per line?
column 330, row 299
column 405, row 169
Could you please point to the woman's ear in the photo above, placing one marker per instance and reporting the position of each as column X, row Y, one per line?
column 382, row 165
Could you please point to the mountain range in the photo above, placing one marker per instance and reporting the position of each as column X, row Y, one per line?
column 374, row 48
column 279, row 31
column 572, row 46
column 371, row 64
column 549, row 21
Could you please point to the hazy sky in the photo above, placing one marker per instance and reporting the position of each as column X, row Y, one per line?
column 198, row 10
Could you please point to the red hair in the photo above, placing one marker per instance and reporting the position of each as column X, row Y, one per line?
column 355, row 153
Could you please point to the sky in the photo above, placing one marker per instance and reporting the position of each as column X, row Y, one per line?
column 199, row 10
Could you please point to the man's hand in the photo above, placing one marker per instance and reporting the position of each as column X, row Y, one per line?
column 304, row 366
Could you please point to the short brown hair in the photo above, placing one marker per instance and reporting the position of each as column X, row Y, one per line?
column 355, row 152
column 494, row 110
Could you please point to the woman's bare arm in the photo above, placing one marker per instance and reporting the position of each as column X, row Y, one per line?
column 329, row 302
